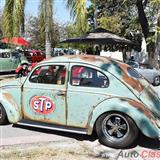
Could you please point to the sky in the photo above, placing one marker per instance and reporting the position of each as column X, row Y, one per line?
column 61, row 14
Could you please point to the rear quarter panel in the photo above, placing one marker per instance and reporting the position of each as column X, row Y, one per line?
column 142, row 117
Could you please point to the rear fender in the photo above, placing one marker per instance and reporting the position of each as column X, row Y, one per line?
column 13, row 112
column 142, row 117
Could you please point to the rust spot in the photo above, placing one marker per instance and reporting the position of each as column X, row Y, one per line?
column 135, row 84
column 9, row 98
column 90, row 58
column 141, row 108
column 42, row 120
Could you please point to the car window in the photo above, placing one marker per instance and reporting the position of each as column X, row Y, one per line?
column 88, row 77
column 133, row 73
column 52, row 74
column 5, row 55
column 16, row 54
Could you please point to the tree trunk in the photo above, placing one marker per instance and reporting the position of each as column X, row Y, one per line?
column 22, row 29
column 142, row 18
column 157, row 43
column 48, row 19
column 145, row 28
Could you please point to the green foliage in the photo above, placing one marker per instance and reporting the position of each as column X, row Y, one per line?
column 111, row 23
column 18, row 17
column 13, row 18
column 7, row 19
column 79, row 13
column 155, row 2
column 70, row 31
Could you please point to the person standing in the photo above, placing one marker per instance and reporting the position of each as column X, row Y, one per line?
column 97, row 51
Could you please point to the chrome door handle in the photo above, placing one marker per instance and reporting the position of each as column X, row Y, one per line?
column 61, row 93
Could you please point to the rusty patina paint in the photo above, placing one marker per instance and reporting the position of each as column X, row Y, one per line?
column 90, row 58
column 151, row 95
column 141, row 108
column 44, row 119
column 9, row 98
column 129, row 80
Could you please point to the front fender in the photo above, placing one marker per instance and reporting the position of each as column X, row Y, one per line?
column 13, row 112
column 142, row 116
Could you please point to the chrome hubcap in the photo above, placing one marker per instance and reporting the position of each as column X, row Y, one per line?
column 157, row 80
column 115, row 126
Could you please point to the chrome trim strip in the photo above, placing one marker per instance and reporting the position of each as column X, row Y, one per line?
column 52, row 128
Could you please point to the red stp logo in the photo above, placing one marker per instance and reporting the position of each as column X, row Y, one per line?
column 42, row 105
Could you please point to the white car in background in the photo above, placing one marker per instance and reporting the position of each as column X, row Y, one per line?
column 151, row 74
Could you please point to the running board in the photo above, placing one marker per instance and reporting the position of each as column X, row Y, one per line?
column 51, row 127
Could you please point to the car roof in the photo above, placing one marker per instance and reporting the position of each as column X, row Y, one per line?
column 5, row 50
column 116, row 68
column 86, row 59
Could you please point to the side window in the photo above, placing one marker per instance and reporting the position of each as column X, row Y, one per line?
column 89, row 77
column 52, row 74
column 15, row 54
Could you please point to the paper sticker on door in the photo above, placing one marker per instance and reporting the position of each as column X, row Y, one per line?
column 42, row 105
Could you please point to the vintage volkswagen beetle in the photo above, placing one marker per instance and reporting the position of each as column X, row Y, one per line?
column 9, row 60
column 82, row 94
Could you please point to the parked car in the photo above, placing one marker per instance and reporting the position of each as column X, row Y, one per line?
column 82, row 94
column 9, row 60
column 34, row 56
column 24, row 68
column 151, row 74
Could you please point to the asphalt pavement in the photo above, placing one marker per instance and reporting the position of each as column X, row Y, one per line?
column 16, row 134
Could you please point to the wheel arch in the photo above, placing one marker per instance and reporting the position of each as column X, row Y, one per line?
column 11, row 108
column 143, row 118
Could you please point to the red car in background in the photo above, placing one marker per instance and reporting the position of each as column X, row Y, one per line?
column 34, row 56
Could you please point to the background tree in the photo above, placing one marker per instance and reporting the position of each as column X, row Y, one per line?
column 1, row 34
column 13, row 18
column 46, row 24
column 156, row 4
column 36, row 33
column 7, row 19
column 131, row 19
column 79, row 13
column 18, row 18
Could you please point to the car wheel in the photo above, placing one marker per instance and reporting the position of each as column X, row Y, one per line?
column 3, row 115
column 156, row 81
column 116, row 130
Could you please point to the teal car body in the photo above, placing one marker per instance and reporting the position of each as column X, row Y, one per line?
column 9, row 60
column 79, row 94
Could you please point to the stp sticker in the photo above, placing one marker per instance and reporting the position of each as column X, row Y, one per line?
column 42, row 105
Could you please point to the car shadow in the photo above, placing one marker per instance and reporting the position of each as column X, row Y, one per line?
column 141, row 141
column 79, row 137
column 146, row 142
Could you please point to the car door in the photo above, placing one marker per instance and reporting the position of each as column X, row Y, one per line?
column 15, row 59
column 86, row 89
column 6, row 63
column 44, row 94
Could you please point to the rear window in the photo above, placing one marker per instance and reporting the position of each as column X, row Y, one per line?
column 133, row 73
